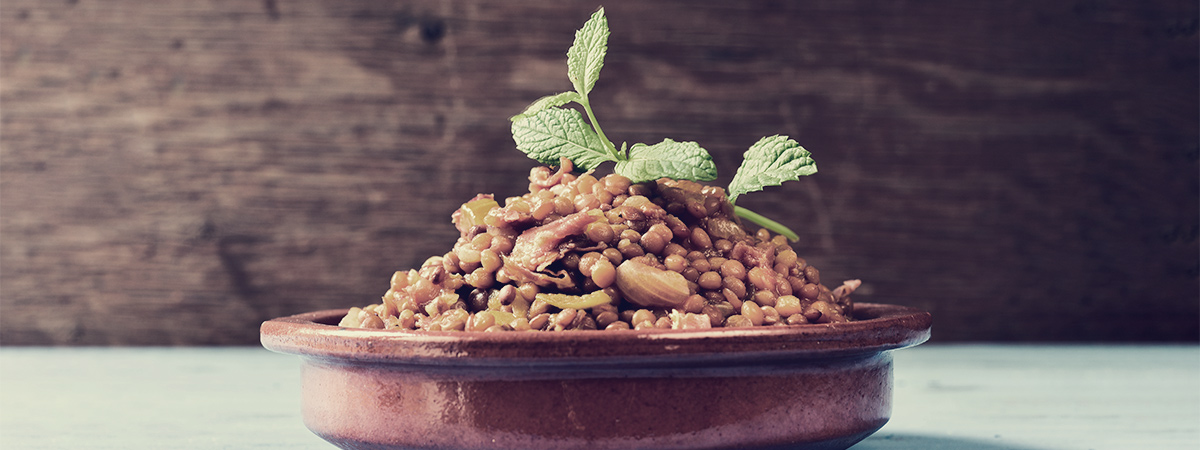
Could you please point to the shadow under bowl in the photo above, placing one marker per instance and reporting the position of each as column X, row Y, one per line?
column 819, row 386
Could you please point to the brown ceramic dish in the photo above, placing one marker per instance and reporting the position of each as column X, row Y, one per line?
column 798, row 387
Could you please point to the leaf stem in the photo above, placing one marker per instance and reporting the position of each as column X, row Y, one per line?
column 766, row 223
column 608, row 145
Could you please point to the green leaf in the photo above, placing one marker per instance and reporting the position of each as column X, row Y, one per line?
column 769, row 162
column 549, row 101
column 586, row 55
column 557, row 132
column 679, row 160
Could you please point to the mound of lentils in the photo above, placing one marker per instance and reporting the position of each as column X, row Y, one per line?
column 584, row 253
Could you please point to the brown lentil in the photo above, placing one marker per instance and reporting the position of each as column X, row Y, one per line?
column 710, row 280
column 496, row 270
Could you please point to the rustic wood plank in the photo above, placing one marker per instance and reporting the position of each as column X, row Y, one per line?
column 176, row 172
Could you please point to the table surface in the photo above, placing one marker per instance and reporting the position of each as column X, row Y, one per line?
column 982, row 397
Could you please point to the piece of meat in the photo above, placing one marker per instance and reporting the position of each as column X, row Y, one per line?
column 537, row 247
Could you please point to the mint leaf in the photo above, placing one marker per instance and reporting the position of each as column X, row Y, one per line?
column 549, row 101
column 769, row 162
column 586, row 55
column 679, row 160
column 557, row 132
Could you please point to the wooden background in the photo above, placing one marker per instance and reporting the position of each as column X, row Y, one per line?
column 175, row 172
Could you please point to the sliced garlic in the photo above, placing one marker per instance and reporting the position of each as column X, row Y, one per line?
column 651, row 287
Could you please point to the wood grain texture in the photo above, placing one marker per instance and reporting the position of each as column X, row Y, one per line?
column 176, row 172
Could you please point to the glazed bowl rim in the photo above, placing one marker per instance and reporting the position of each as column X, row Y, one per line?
column 315, row 335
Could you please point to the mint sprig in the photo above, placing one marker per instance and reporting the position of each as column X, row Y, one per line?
column 769, row 162
column 548, row 130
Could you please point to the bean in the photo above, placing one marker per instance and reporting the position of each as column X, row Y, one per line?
column 765, row 298
column 644, row 326
column 812, row 275
column 490, row 261
column 506, row 295
column 631, row 236
column 563, row 206
column 614, row 256
column 786, row 257
column 642, row 316
column 588, row 260
column 502, row 244
column 604, row 319
column 782, row 269
column 700, row 239
column 626, row 315
column 675, row 263
column 599, row 231
column 585, row 182
column 571, row 261
column 480, row 278
column 732, row 298
column 563, row 319
column 616, row 184
column 467, row 255
column 618, row 325
column 733, row 269
column 782, row 286
column 679, row 230
column 604, row 274
column 736, row 285
column 762, row 234
column 653, row 242
column 528, row 291
column 738, row 321
column 675, row 249
column 695, row 304
column 770, row 315
column 715, row 262
column 663, row 322
column 797, row 284
column 702, row 265
column 715, row 317
column 629, row 249
column 714, row 296
column 810, row 291
column 787, row 305
column 710, row 280
column 604, row 197
column 691, row 274
column 797, row 319
column 641, row 189
column 539, row 321
column 751, row 310
column 371, row 320
column 761, row 278
column 614, row 294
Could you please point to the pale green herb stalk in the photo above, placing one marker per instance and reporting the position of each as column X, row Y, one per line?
column 547, row 131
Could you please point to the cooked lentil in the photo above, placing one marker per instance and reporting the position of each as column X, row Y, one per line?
column 668, row 253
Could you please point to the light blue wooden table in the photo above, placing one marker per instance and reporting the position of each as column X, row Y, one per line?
column 981, row 397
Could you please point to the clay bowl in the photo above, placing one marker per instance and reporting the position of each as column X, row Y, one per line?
column 798, row 387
